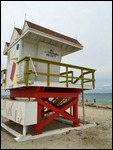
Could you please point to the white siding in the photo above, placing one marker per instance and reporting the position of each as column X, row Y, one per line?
column 42, row 51
column 52, row 53
column 13, row 56
column 19, row 111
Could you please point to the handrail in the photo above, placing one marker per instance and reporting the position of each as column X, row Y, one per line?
column 69, row 72
column 69, row 78
column 56, row 63
column 4, row 71
column 81, row 76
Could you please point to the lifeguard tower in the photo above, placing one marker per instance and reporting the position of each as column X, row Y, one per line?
column 39, row 83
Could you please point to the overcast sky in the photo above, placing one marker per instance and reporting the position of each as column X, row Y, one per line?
column 89, row 22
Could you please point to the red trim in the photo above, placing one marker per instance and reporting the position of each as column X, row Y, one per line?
column 13, row 71
column 41, row 92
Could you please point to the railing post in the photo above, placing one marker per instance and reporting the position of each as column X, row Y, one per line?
column 82, row 79
column 93, row 80
column 48, row 74
column 72, row 78
column 66, row 76
column 4, row 72
column 26, row 71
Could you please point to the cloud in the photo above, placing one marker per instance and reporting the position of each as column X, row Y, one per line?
column 106, row 86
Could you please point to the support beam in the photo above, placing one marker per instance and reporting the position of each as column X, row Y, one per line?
column 83, row 105
column 25, row 128
column 57, row 111
column 75, row 114
column 42, row 95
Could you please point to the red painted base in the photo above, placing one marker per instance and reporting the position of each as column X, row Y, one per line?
column 42, row 95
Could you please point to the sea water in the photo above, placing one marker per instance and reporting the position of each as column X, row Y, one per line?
column 101, row 98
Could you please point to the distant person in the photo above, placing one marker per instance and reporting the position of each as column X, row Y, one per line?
column 86, row 100
column 94, row 100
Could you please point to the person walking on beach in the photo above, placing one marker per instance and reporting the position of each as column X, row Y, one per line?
column 94, row 100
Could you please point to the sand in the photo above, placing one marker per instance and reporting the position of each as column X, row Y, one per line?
column 99, row 137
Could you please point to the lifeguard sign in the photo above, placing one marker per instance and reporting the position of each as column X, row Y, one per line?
column 34, row 73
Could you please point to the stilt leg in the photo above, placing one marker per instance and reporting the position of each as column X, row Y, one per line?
column 75, row 113
column 39, row 117
column 25, row 130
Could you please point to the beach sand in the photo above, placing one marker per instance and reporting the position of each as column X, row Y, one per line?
column 98, row 137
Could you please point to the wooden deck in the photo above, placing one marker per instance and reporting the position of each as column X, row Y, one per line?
column 52, row 84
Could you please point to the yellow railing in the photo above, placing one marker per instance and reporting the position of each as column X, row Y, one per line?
column 3, row 76
column 67, row 75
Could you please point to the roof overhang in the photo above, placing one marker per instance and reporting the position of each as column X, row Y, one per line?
column 35, row 36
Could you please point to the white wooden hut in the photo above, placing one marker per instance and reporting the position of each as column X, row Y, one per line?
column 34, row 70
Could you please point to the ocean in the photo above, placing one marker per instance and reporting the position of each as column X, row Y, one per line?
column 101, row 98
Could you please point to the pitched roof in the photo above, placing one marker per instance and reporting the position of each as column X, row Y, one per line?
column 48, row 31
column 7, row 44
column 18, row 30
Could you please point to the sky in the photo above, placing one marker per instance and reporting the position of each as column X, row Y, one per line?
column 90, row 22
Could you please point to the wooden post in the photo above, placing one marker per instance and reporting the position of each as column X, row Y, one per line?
column 83, row 105
column 75, row 113
column 25, row 130
column 66, row 76
column 26, row 72
column 48, row 74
